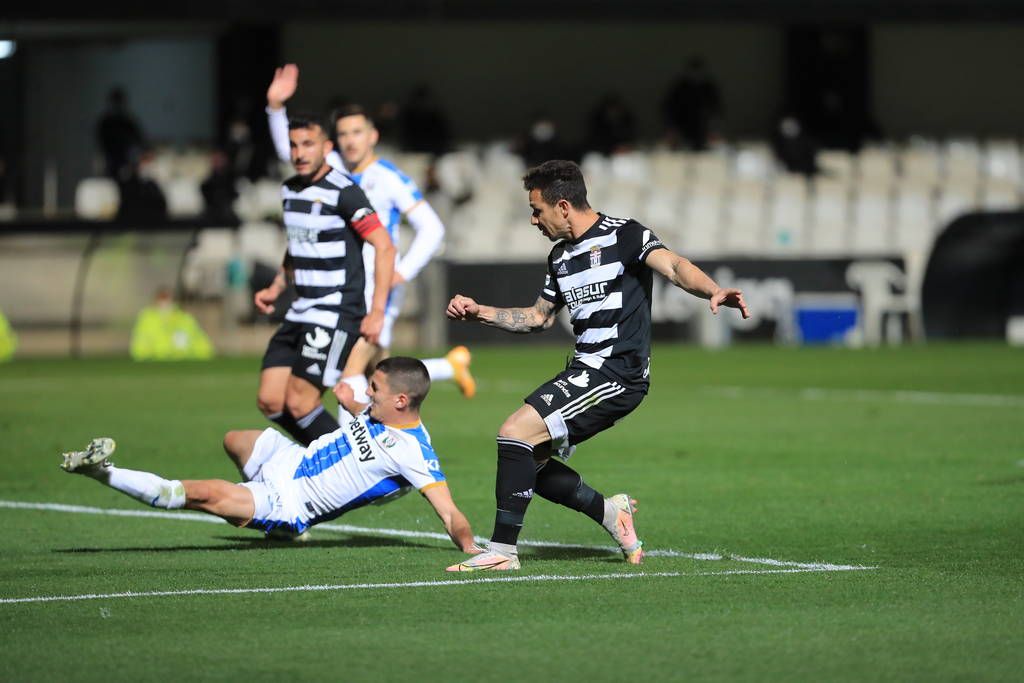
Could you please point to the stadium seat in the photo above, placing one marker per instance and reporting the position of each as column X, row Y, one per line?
column 669, row 171
column 709, row 167
column 914, row 220
column 700, row 230
column 1002, row 160
column 745, row 217
column 753, row 160
column 184, row 200
column 871, row 220
column 262, row 241
column 829, row 218
column 1000, row 194
column 787, row 215
column 837, row 165
column 97, row 199
column 921, row 163
column 876, row 165
column 962, row 161
column 955, row 200
column 206, row 265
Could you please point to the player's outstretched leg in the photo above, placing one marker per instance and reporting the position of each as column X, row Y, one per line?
column 561, row 484
column 454, row 366
column 94, row 462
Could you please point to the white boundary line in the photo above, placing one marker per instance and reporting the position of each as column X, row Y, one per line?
column 379, row 586
column 920, row 397
column 407, row 533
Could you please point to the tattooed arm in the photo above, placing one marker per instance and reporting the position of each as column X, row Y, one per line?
column 536, row 318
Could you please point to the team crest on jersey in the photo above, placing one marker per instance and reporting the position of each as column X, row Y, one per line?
column 387, row 440
column 547, row 398
column 595, row 256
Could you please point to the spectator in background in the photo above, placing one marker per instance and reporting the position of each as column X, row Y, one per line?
column 424, row 126
column 794, row 148
column 542, row 142
column 612, row 126
column 690, row 105
column 119, row 136
column 219, row 193
column 142, row 200
column 165, row 332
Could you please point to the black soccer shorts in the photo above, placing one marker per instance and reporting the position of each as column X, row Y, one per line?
column 580, row 402
column 313, row 352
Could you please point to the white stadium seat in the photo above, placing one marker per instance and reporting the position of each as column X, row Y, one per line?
column 97, row 199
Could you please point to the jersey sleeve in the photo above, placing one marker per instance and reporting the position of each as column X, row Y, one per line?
column 550, row 291
column 420, row 465
column 638, row 242
column 277, row 122
column 404, row 193
column 356, row 209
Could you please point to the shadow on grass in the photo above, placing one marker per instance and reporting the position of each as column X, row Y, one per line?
column 547, row 553
column 260, row 543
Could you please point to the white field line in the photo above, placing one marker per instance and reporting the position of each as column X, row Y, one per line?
column 873, row 395
column 379, row 586
column 408, row 533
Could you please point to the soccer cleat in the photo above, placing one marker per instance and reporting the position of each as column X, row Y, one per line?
column 459, row 358
column 490, row 561
column 288, row 536
column 622, row 528
column 94, row 456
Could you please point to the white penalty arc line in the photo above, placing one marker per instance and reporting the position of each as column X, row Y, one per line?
column 898, row 396
column 409, row 533
column 392, row 585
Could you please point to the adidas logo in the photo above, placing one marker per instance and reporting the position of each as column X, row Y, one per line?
column 562, row 270
column 528, row 493
column 547, row 398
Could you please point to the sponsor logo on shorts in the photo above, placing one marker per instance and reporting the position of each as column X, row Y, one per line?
column 528, row 493
column 313, row 369
column 561, row 385
column 547, row 398
column 581, row 380
column 320, row 338
column 313, row 354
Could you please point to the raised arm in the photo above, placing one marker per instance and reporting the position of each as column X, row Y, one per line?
column 286, row 80
column 536, row 318
column 683, row 274
column 455, row 523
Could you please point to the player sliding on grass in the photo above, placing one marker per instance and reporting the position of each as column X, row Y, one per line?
column 376, row 454
column 601, row 268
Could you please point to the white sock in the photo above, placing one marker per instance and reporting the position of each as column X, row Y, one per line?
column 611, row 515
column 504, row 548
column 144, row 487
column 359, row 386
column 439, row 369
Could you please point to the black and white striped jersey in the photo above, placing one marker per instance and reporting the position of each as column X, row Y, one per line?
column 602, row 279
column 326, row 223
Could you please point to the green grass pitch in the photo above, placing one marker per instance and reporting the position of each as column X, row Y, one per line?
column 909, row 461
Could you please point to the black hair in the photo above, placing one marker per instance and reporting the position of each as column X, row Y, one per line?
column 558, row 180
column 408, row 376
column 304, row 120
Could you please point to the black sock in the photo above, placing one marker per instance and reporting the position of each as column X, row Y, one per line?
column 285, row 419
column 315, row 424
column 513, row 488
column 561, row 484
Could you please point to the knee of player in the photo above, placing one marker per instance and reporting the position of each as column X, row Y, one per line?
column 513, row 428
column 300, row 405
column 268, row 404
column 232, row 442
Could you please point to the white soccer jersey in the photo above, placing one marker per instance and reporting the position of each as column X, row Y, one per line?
column 362, row 462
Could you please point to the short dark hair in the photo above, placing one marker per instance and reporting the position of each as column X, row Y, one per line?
column 351, row 109
column 408, row 376
column 558, row 180
column 306, row 120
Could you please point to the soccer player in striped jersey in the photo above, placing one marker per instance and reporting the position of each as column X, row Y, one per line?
column 601, row 269
column 381, row 450
column 328, row 218
column 395, row 196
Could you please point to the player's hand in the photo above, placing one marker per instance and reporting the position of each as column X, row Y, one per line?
column 265, row 298
column 731, row 298
column 462, row 308
column 371, row 326
column 286, row 80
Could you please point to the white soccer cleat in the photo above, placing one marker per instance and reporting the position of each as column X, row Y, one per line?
column 94, row 456
column 490, row 561
column 622, row 529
